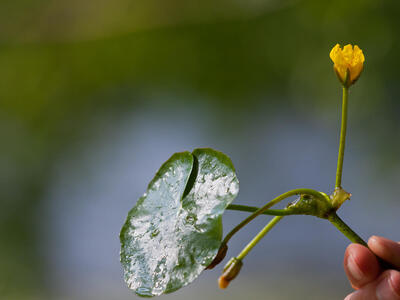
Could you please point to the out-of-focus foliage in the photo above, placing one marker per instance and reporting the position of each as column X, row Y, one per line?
column 62, row 63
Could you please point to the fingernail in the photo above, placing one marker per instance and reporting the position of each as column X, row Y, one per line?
column 375, row 243
column 378, row 239
column 373, row 239
column 388, row 287
column 353, row 268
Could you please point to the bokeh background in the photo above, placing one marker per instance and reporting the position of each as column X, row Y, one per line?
column 95, row 95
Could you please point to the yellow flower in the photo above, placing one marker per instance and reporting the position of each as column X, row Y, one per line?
column 348, row 63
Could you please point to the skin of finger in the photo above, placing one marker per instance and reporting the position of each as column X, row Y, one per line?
column 390, row 287
column 386, row 249
column 386, row 287
column 360, row 265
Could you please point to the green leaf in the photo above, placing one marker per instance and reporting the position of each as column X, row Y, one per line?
column 174, row 231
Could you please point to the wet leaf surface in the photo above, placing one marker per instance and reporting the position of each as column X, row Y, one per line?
column 175, row 229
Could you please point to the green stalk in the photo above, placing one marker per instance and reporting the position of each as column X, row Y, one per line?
column 342, row 142
column 258, row 237
column 345, row 229
column 269, row 212
column 267, row 206
column 332, row 217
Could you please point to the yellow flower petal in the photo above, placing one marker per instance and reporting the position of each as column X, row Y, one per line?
column 334, row 52
column 349, row 59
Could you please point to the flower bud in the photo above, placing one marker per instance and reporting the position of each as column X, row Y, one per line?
column 230, row 272
column 348, row 63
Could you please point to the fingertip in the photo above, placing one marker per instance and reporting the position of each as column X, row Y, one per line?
column 373, row 238
column 386, row 287
column 360, row 265
column 395, row 282
column 357, row 295
column 357, row 250
column 365, row 259
column 389, row 286
column 377, row 245
column 376, row 241
column 387, row 249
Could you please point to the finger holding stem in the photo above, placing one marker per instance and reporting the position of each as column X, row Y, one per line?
column 355, row 238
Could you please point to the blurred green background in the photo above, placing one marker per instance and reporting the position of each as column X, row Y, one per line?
column 95, row 95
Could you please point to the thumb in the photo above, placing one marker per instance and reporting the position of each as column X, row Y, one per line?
column 386, row 287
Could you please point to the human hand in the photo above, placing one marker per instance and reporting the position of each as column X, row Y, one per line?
column 366, row 276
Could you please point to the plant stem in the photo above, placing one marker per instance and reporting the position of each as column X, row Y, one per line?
column 333, row 218
column 270, row 212
column 268, row 205
column 342, row 142
column 258, row 237
column 345, row 229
